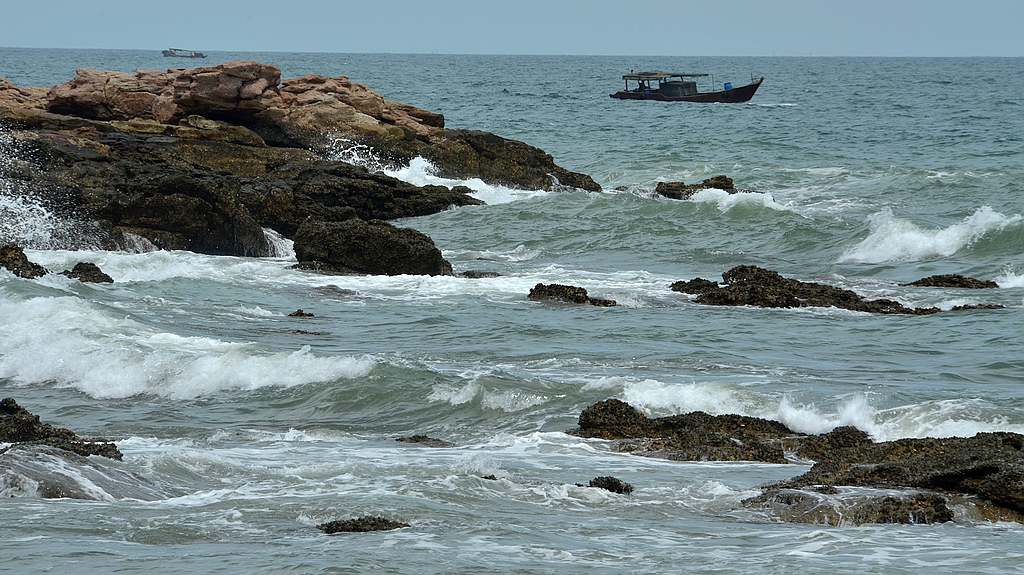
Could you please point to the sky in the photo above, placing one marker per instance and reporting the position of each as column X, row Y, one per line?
column 600, row 27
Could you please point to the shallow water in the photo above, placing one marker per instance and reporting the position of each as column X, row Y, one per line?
column 869, row 173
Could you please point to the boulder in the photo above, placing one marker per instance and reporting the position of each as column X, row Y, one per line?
column 361, row 525
column 566, row 294
column 87, row 272
column 14, row 259
column 755, row 286
column 953, row 281
column 18, row 425
column 613, row 484
column 367, row 247
column 684, row 191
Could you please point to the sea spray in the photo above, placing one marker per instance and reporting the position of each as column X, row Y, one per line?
column 893, row 239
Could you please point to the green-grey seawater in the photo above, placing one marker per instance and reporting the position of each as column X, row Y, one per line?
column 867, row 173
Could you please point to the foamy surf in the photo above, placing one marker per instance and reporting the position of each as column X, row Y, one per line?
column 106, row 355
column 726, row 201
column 943, row 418
column 892, row 239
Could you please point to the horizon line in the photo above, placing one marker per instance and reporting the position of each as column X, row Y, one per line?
column 538, row 54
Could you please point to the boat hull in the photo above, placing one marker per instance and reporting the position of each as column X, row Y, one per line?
column 736, row 95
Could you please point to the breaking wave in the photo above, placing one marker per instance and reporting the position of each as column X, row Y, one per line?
column 106, row 355
column 892, row 239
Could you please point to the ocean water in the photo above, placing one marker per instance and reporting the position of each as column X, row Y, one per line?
column 866, row 173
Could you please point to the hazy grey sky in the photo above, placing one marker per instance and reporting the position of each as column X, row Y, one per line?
column 626, row 27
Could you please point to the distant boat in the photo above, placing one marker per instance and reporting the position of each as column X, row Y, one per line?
column 179, row 53
column 682, row 87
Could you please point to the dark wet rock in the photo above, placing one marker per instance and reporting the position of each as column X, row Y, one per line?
column 38, row 470
column 490, row 477
column 566, row 294
column 857, row 508
column 304, row 332
column 987, row 466
column 695, row 436
column 953, row 281
column 977, row 306
column 87, row 272
column 695, row 286
column 334, row 291
column 425, row 441
column 14, row 259
column 684, row 191
column 361, row 525
column 301, row 313
column 374, row 247
column 479, row 274
column 613, row 484
column 755, row 286
column 18, row 425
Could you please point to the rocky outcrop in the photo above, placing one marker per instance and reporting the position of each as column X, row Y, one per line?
column 307, row 112
column 14, row 259
column 373, row 247
column 88, row 272
column 755, row 286
column 566, row 294
column 301, row 313
column 17, row 425
column 953, row 281
column 361, row 525
column 684, row 191
column 988, row 466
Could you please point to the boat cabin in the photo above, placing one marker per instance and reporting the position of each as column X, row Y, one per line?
column 669, row 84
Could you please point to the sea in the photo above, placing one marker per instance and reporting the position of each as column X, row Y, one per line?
column 864, row 173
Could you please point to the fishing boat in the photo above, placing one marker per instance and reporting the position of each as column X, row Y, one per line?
column 682, row 87
column 179, row 53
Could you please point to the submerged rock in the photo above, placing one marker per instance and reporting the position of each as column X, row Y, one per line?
column 566, row 294
column 479, row 274
column 304, row 332
column 977, row 306
column 87, row 272
column 684, row 191
column 953, row 281
column 490, row 477
column 373, row 247
column 755, row 286
column 18, row 425
column 361, row 525
column 301, row 313
column 14, row 259
column 613, row 484
column 425, row 441
column 38, row 470
column 856, row 508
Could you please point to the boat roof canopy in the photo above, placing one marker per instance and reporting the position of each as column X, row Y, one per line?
column 661, row 75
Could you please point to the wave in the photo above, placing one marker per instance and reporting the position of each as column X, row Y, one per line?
column 1010, row 279
column 421, row 172
column 941, row 418
column 106, row 355
column 725, row 201
column 893, row 239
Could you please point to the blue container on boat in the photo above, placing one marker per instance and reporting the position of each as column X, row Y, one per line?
column 728, row 85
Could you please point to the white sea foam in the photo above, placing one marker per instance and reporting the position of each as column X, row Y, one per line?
column 99, row 352
column 421, row 172
column 726, row 201
column 280, row 246
column 507, row 401
column 894, row 239
column 945, row 418
column 1010, row 279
